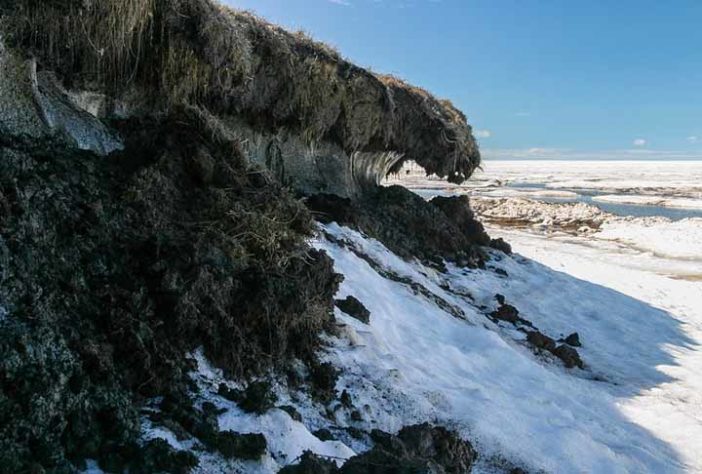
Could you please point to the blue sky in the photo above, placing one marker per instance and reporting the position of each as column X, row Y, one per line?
column 536, row 78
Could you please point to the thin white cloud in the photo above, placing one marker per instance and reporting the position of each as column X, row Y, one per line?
column 340, row 2
column 482, row 133
column 640, row 142
column 693, row 139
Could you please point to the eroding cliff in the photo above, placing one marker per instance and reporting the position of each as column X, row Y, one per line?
column 316, row 120
column 152, row 158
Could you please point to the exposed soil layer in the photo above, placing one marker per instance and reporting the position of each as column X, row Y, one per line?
column 149, row 54
column 114, row 268
column 408, row 225
column 418, row 448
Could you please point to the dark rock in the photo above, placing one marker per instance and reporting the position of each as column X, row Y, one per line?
column 311, row 463
column 413, row 228
column 354, row 308
column 324, row 434
column 211, row 409
column 355, row 432
column 506, row 312
column 323, row 378
column 158, row 456
column 202, row 166
column 345, row 399
column 328, row 208
column 356, row 415
column 569, row 356
column 241, row 446
column 231, row 394
column 419, row 448
column 258, row 398
column 292, row 411
column 501, row 245
column 541, row 341
column 457, row 209
column 500, row 271
column 573, row 340
column 500, row 299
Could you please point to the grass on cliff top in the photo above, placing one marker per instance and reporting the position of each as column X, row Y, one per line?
column 199, row 52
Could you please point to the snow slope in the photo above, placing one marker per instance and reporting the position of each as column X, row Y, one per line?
column 417, row 362
column 430, row 353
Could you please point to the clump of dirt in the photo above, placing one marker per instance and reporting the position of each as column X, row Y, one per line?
column 501, row 245
column 418, row 448
column 354, row 308
column 257, row 398
column 323, row 378
column 457, row 209
column 573, row 340
column 569, row 356
column 407, row 224
column 541, row 341
column 311, row 463
column 114, row 268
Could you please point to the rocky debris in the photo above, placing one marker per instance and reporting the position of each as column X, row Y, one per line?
column 292, row 411
column 323, row 378
column 457, row 209
column 501, row 245
column 569, row 356
column 405, row 223
column 345, row 399
column 356, row 433
column 354, row 308
column 324, row 434
column 541, row 341
column 210, row 409
column 419, row 448
column 500, row 272
column 566, row 353
column 328, row 208
column 311, row 463
column 177, row 412
column 250, row 446
column 258, row 397
column 508, row 313
column 155, row 456
column 573, row 340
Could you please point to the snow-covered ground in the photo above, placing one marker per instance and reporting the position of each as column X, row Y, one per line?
column 621, row 187
column 630, row 286
column 647, row 176
column 637, row 406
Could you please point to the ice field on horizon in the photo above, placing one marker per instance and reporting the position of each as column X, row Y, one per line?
column 662, row 184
